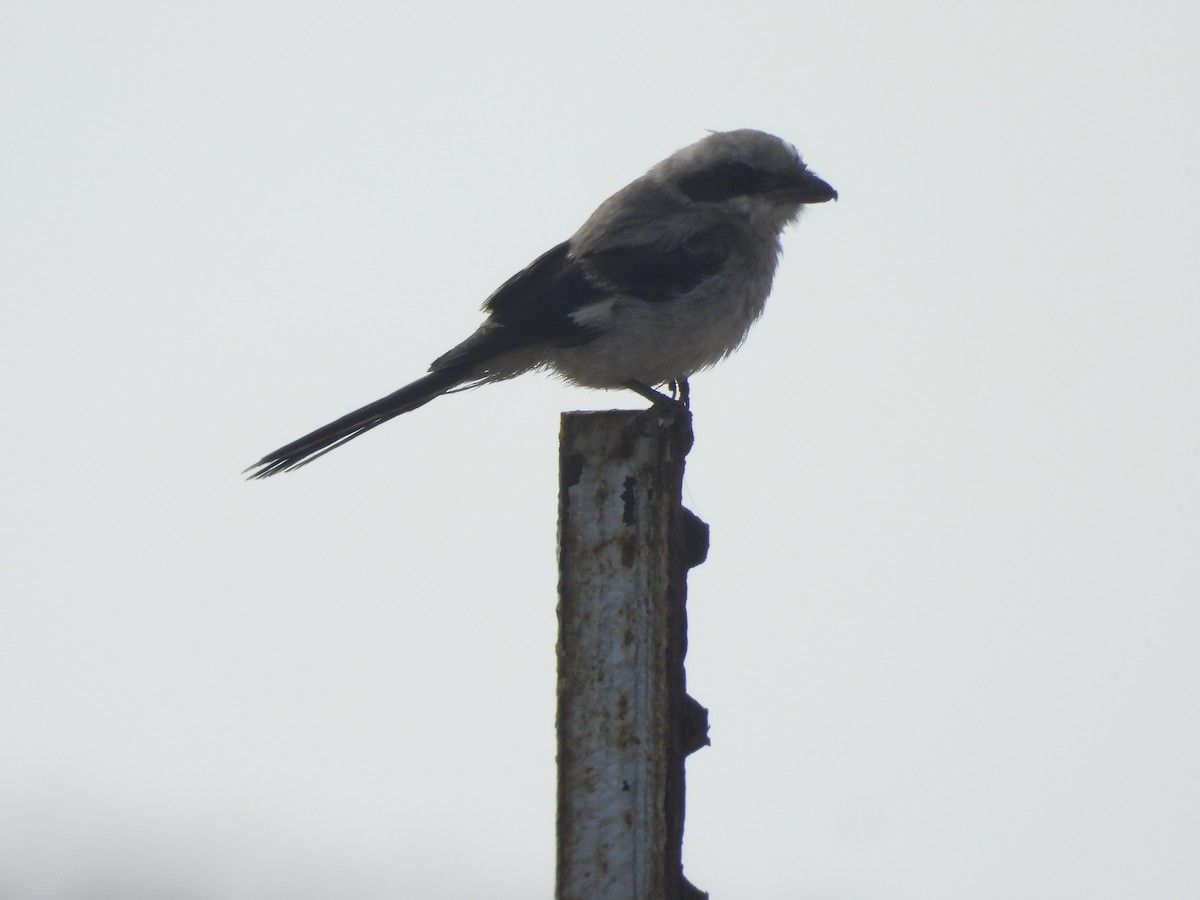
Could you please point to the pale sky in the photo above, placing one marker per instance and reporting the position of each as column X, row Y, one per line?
column 947, row 631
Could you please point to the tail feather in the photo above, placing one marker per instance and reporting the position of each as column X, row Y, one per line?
column 304, row 450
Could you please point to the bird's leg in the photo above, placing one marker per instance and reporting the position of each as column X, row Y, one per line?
column 685, row 392
column 680, row 390
column 658, row 399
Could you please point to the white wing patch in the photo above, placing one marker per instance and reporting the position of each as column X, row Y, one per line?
column 595, row 315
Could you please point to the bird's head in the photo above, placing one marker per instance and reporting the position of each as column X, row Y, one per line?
column 748, row 172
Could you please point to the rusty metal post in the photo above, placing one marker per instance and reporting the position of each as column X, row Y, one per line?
column 625, row 722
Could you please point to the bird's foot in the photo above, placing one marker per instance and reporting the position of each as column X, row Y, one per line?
column 677, row 400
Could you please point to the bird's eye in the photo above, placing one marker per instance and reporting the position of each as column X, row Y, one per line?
column 724, row 181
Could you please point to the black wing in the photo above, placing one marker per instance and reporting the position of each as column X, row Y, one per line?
column 537, row 305
column 533, row 307
column 655, row 274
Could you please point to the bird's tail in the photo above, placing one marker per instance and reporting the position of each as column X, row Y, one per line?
column 318, row 443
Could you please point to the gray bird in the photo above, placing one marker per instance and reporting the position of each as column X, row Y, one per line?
column 664, row 279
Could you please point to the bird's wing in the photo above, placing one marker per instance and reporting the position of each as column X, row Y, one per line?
column 539, row 305
column 536, row 304
column 531, row 308
column 663, row 270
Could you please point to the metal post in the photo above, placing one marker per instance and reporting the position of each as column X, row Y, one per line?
column 625, row 723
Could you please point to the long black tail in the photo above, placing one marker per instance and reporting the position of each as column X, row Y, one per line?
column 318, row 443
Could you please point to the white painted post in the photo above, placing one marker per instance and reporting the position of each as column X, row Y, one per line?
column 625, row 723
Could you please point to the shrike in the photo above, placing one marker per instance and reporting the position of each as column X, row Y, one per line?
column 664, row 279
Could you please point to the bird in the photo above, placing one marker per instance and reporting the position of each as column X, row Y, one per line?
column 663, row 280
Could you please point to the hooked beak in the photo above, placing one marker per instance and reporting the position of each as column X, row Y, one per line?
column 808, row 188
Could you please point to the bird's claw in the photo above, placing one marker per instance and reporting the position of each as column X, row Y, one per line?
column 676, row 401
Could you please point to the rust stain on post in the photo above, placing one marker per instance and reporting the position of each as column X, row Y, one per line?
column 625, row 722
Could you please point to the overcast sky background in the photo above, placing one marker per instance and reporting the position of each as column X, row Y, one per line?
column 948, row 627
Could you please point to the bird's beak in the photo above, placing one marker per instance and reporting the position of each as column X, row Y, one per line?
column 808, row 188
